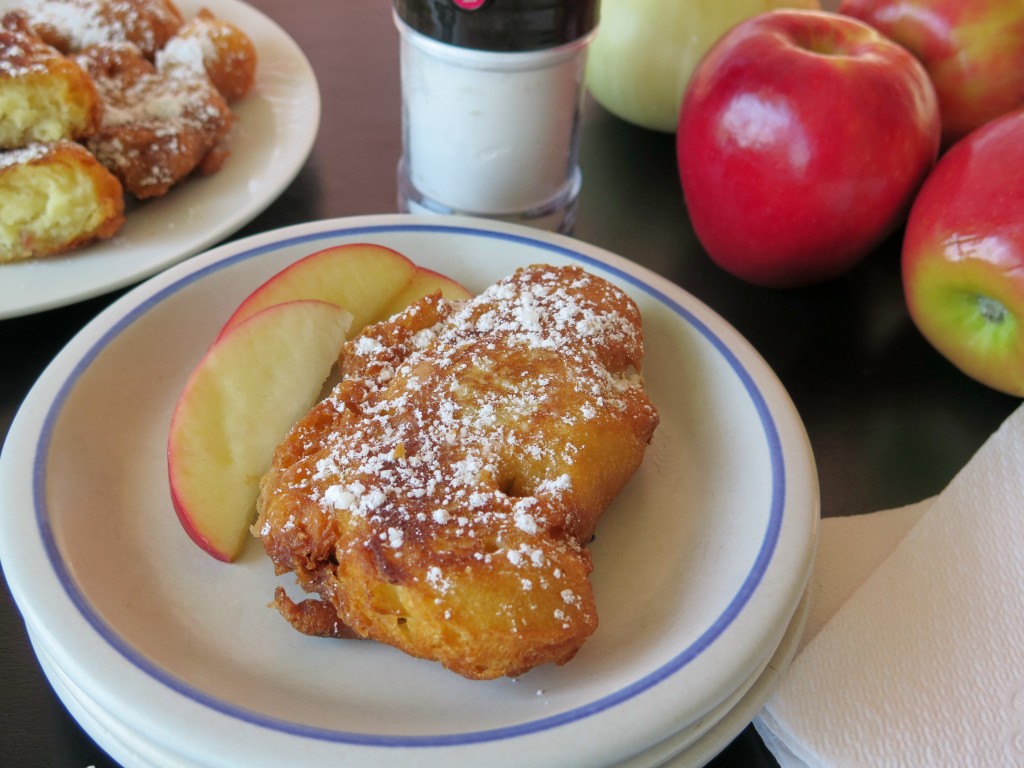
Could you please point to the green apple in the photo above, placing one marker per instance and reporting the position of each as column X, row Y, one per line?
column 963, row 255
column 366, row 279
column 644, row 52
column 248, row 390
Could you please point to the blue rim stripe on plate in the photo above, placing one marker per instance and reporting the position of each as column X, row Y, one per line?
column 688, row 654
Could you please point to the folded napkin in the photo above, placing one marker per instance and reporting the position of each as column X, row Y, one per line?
column 914, row 650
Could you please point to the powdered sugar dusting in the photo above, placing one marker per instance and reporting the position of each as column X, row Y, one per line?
column 21, row 56
column 25, row 155
column 157, row 125
column 72, row 25
column 453, row 435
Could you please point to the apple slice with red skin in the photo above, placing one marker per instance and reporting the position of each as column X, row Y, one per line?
column 423, row 283
column 366, row 279
column 963, row 255
column 248, row 390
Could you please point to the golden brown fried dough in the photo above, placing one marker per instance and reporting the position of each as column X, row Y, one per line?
column 71, row 25
column 53, row 198
column 157, row 128
column 44, row 96
column 441, row 498
column 216, row 47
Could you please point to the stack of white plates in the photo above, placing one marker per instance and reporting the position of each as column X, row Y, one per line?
column 170, row 658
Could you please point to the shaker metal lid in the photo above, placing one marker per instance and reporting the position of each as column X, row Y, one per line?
column 500, row 25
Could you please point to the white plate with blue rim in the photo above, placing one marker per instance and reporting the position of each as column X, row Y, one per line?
column 699, row 564
column 694, row 745
column 277, row 123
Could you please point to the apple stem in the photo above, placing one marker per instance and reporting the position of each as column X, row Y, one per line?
column 993, row 311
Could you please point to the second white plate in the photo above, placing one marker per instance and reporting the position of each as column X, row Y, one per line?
column 277, row 125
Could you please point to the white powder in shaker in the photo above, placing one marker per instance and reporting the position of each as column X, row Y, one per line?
column 491, row 133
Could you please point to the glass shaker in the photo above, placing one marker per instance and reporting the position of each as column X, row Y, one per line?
column 491, row 98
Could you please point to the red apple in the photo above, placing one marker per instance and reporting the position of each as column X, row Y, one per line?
column 963, row 255
column 973, row 51
column 802, row 140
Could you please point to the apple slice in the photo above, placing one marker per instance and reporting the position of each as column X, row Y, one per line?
column 250, row 387
column 370, row 281
column 424, row 282
column 361, row 277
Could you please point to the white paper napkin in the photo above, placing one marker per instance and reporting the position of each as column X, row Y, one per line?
column 914, row 654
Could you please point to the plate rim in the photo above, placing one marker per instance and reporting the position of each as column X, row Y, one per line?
column 676, row 751
column 127, row 309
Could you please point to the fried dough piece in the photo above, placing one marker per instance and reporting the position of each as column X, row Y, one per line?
column 44, row 96
column 440, row 499
column 157, row 128
column 218, row 48
column 72, row 25
column 53, row 198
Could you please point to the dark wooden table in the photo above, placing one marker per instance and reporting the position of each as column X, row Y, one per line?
column 889, row 420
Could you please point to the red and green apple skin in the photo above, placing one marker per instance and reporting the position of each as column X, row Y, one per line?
column 973, row 51
column 802, row 140
column 963, row 255
column 265, row 369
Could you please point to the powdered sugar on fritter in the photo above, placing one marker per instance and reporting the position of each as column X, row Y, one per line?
column 442, row 441
column 77, row 24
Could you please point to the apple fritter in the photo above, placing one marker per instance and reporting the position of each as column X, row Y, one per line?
column 217, row 47
column 157, row 128
column 441, row 498
column 44, row 96
column 71, row 25
column 55, row 197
